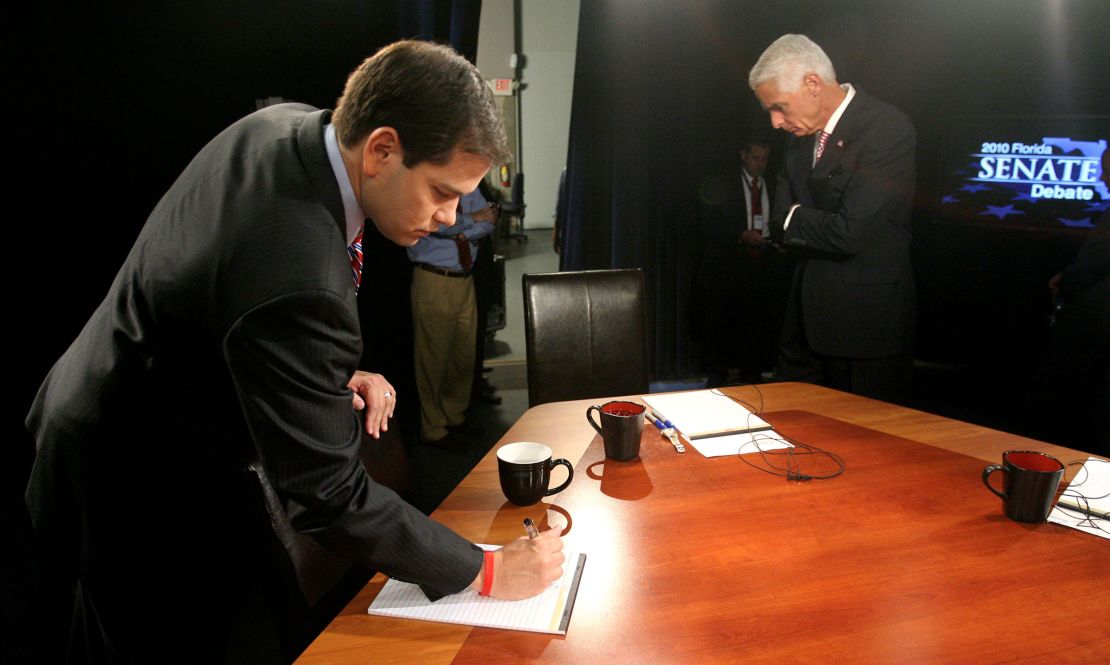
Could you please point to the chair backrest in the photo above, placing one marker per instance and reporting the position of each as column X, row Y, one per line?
column 586, row 334
column 317, row 570
column 517, row 191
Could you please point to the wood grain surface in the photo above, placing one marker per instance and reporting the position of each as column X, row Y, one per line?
column 904, row 558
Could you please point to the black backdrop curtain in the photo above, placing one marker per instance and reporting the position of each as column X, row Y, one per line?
column 657, row 96
column 112, row 100
column 661, row 100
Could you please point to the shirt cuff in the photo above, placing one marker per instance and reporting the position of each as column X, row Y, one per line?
column 789, row 215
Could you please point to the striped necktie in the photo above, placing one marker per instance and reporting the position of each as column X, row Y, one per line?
column 822, row 139
column 354, row 250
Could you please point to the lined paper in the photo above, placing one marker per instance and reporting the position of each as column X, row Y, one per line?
column 704, row 413
column 548, row 612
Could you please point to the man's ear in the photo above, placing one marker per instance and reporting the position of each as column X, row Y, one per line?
column 380, row 149
column 812, row 83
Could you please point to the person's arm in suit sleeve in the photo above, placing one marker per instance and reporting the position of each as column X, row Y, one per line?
column 880, row 185
column 291, row 359
column 780, row 207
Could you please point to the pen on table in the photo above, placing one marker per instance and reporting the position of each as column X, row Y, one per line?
column 659, row 422
column 1089, row 512
column 667, row 429
column 530, row 528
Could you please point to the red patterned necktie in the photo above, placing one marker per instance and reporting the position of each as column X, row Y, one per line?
column 822, row 139
column 355, row 252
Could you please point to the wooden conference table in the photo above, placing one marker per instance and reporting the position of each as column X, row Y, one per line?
column 904, row 558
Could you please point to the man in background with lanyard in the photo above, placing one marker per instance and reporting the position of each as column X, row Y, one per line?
column 753, row 163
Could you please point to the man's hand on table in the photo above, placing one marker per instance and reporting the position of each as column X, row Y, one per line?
column 525, row 567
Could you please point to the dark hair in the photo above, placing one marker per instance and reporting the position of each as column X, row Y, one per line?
column 755, row 140
column 433, row 97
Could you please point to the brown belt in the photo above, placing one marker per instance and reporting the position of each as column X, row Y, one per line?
column 443, row 271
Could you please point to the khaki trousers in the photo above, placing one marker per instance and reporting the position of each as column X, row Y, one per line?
column 444, row 328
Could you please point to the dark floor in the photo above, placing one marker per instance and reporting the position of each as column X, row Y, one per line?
column 435, row 472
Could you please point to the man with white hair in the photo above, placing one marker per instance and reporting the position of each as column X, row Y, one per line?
column 845, row 211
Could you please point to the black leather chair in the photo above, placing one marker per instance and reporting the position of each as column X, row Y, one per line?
column 316, row 583
column 586, row 334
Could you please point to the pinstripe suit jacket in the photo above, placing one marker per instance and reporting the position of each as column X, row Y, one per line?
column 855, row 286
column 221, row 355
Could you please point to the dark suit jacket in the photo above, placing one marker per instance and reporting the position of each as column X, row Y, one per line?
column 215, row 372
column 724, row 208
column 855, row 286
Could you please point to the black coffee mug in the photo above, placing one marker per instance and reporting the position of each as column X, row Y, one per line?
column 622, row 423
column 524, row 469
column 1030, row 485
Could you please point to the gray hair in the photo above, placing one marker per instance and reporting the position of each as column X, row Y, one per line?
column 786, row 62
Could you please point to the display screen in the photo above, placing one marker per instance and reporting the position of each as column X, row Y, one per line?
column 1032, row 172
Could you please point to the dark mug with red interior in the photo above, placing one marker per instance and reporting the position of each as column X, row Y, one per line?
column 1031, row 480
column 622, row 423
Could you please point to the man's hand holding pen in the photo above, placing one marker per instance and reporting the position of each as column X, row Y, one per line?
column 525, row 567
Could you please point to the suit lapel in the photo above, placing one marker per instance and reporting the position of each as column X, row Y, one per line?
column 803, row 158
column 846, row 131
column 800, row 165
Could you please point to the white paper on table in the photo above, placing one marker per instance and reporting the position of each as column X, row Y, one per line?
column 1090, row 488
column 705, row 413
column 548, row 612
column 732, row 444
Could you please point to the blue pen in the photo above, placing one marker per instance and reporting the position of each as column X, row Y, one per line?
column 660, row 423
column 666, row 428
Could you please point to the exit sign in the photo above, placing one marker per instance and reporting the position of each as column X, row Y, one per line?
column 502, row 87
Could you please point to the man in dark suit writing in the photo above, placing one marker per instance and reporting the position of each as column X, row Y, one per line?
column 217, row 377
column 845, row 211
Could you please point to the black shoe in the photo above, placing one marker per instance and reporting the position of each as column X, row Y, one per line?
column 466, row 428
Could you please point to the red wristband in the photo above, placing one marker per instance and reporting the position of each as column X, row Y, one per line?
column 487, row 574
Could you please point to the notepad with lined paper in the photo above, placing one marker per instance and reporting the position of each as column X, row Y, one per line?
column 700, row 414
column 548, row 612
